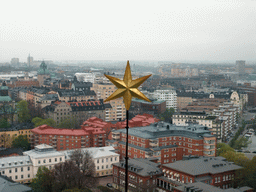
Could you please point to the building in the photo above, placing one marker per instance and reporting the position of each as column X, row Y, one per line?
column 65, row 139
column 203, row 187
column 212, row 122
column 42, row 74
column 154, row 107
column 30, row 61
column 103, row 157
column 164, row 141
column 142, row 175
column 240, row 67
column 118, row 111
column 6, row 185
column 81, row 111
column 216, row 171
column 24, row 168
column 15, row 62
column 8, row 134
column 168, row 95
column 70, row 95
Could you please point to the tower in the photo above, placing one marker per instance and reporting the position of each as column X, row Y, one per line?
column 30, row 61
column 240, row 67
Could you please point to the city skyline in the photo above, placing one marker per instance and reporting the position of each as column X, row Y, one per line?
column 213, row 31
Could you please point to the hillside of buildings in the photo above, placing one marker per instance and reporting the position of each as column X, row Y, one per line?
column 197, row 133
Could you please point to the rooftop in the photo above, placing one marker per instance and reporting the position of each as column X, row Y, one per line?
column 162, row 129
column 203, row 165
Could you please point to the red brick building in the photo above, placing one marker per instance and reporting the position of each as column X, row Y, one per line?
column 164, row 141
column 29, row 83
column 142, row 175
column 64, row 139
column 214, row 171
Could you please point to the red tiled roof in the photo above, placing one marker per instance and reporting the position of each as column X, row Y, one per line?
column 47, row 130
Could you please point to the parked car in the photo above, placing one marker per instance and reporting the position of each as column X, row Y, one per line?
column 109, row 185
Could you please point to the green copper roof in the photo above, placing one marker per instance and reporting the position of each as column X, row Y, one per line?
column 5, row 99
column 43, row 69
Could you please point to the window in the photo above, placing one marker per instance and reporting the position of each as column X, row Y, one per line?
column 223, row 177
column 111, row 159
column 16, row 170
column 44, row 161
column 50, row 160
column 98, row 160
column 98, row 167
column 102, row 166
column 28, row 175
column 16, row 177
column 102, row 160
column 106, row 159
column 60, row 159
column 218, row 179
column 39, row 162
column 21, row 169
column 55, row 159
column 21, row 176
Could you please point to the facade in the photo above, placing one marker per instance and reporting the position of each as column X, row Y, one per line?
column 216, row 171
column 154, row 107
column 103, row 157
column 168, row 95
column 82, row 110
column 30, row 61
column 65, row 139
column 70, row 95
column 164, row 141
column 118, row 111
column 212, row 122
column 142, row 175
column 24, row 168
column 240, row 67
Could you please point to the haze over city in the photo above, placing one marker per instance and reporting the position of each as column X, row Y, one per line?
column 186, row 31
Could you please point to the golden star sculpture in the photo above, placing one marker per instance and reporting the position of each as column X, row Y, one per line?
column 127, row 88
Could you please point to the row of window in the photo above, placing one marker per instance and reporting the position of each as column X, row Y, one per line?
column 49, row 160
column 102, row 167
column 102, row 160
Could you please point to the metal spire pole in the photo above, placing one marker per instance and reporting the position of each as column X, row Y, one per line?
column 126, row 156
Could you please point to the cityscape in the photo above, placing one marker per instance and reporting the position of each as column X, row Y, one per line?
column 64, row 127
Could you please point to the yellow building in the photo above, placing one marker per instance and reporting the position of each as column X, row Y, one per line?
column 118, row 111
column 7, row 136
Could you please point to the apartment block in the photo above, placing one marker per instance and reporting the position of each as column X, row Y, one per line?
column 65, row 139
column 118, row 111
column 164, row 141
column 168, row 95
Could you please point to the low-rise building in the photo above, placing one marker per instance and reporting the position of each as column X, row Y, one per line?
column 216, row 171
column 142, row 175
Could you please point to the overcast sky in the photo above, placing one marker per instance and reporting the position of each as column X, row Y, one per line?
column 220, row 30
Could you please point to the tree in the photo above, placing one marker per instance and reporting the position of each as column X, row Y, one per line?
column 84, row 161
column 5, row 140
column 167, row 115
column 70, row 122
column 22, row 142
column 39, row 121
column 241, row 142
column 43, row 181
column 23, row 112
column 4, row 123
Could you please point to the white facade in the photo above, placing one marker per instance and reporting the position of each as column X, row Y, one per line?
column 24, row 168
column 85, row 77
column 168, row 95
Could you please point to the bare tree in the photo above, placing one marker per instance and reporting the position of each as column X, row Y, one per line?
column 67, row 176
column 84, row 161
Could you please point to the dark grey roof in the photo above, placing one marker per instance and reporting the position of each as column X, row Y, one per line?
column 6, row 185
column 9, row 151
column 203, row 165
column 143, row 167
column 160, row 129
column 49, row 97
column 82, row 84
column 203, row 187
column 71, row 93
